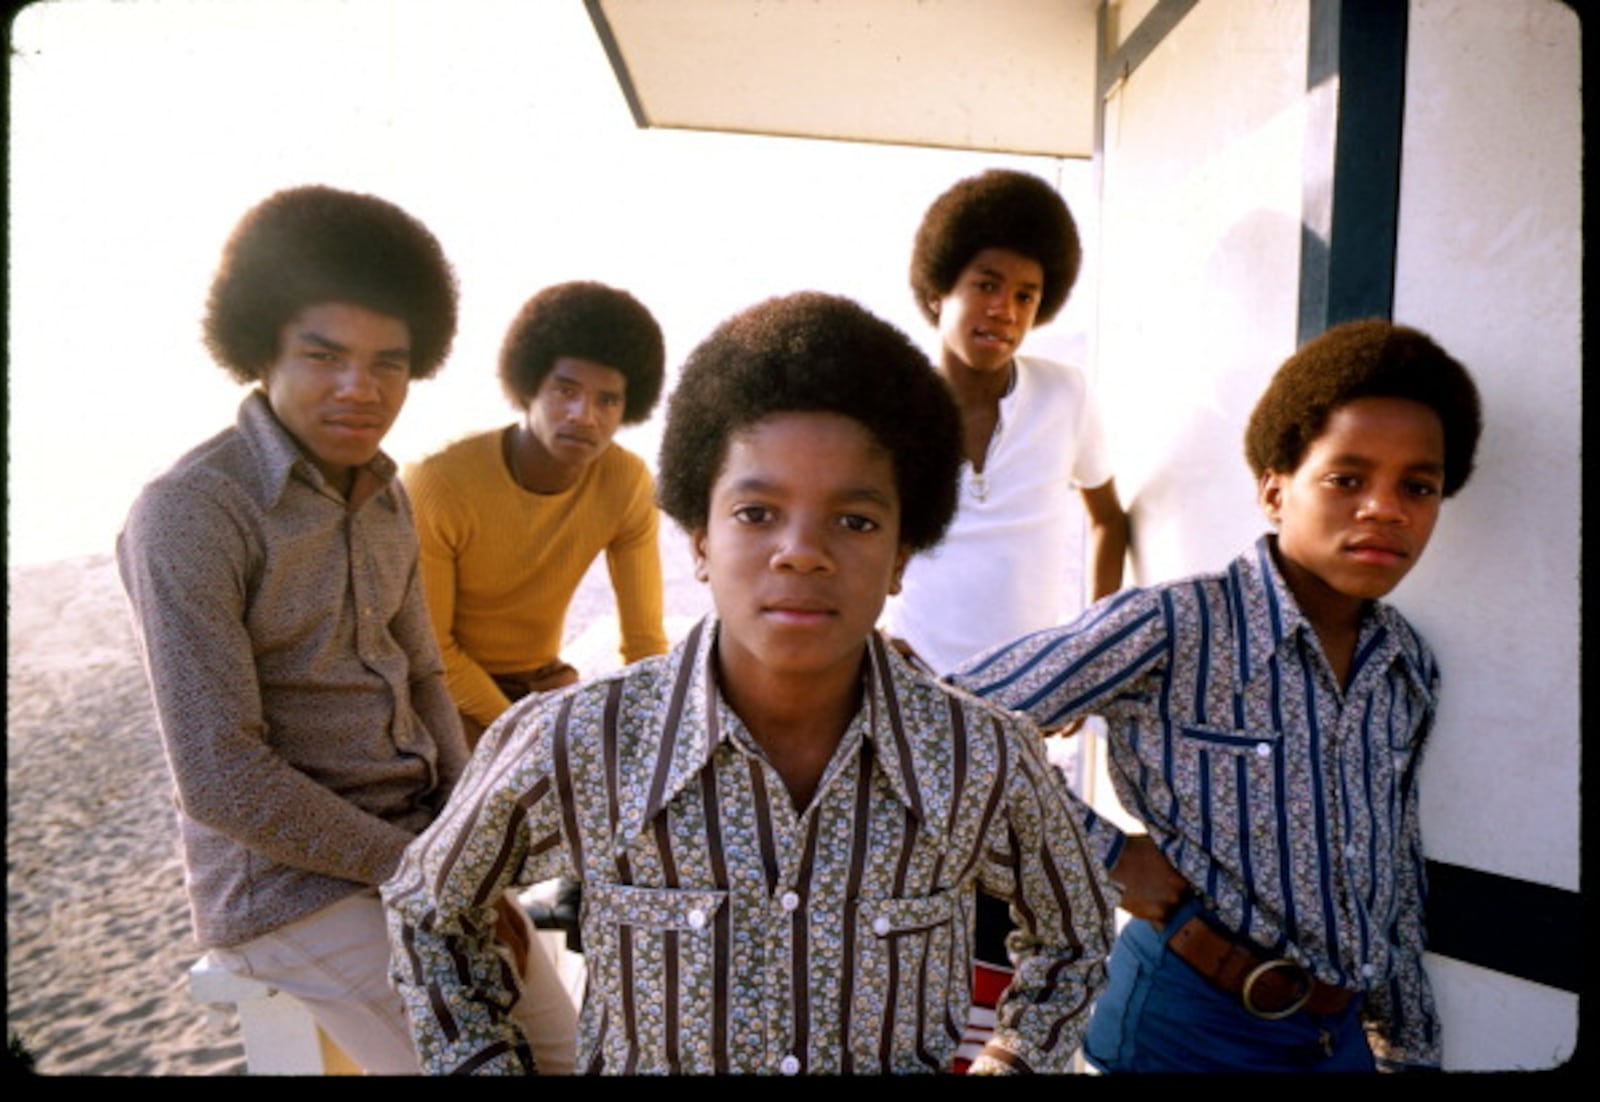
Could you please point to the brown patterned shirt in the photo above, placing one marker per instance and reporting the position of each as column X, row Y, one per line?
column 296, row 678
column 723, row 931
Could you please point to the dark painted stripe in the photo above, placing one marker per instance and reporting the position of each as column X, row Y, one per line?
column 1517, row 927
column 1362, row 43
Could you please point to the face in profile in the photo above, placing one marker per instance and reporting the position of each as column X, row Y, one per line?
column 338, row 383
column 1355, row 516
column 801, row 546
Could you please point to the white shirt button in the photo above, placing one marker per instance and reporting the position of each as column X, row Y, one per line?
column 1263, row 750
column 697, row 919
column 1368, row 970
column 789, row 901
column 1350, row 850
column 789, row 1065
column 880, row 926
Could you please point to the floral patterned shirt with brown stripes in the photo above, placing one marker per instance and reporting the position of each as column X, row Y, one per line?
column 725, row 932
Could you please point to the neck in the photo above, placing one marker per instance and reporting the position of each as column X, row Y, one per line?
column 532, row 467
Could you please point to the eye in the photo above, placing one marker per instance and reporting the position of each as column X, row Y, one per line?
column 1340, row 481
column 1422, row 488
column 751, row 514
column 855, row 522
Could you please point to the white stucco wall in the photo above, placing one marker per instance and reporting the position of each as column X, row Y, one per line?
column 1490, row 262
column 1206, row 176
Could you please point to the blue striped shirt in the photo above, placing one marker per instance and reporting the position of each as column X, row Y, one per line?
column 1288, row 803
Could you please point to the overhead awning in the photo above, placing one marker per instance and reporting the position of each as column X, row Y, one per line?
column 1004, row 76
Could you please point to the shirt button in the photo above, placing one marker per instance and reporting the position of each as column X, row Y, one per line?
column 789, row 901
column 1263, row 750
column 880, row 926
column 1350, row 851
column 1368, row 970
column 697, row 919
column 789, row 1065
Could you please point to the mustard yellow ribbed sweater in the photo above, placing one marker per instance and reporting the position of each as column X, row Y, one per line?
column 500, row 564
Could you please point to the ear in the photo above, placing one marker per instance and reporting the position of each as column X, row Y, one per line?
column 1269, row 495
column 901, row 558
column 697, row 547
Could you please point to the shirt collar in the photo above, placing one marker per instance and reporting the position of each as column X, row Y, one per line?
column 1266, row 600
column 692, row 729
column 279, row 457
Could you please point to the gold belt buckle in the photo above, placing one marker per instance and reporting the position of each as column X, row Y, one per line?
column 1263, row 969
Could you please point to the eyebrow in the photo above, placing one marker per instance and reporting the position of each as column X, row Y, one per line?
column 1356, row 459
column 311, row 336
column 848, row 495
column 996, row 273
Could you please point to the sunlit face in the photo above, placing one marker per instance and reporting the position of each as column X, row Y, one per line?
column 577, row 410
column 341, row 376
column 801, row 546
column 984, row 317
column 1354, row 518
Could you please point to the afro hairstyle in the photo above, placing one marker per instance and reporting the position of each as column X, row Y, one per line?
column 310, row 245
column 812, row 352
column 1373, row 358
column 997, row 209
column 589, row 321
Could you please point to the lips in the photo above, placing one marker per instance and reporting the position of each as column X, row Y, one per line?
column 1380, row 552
column 798, row 608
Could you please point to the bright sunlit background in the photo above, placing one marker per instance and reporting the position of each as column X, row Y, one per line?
column 141, row 130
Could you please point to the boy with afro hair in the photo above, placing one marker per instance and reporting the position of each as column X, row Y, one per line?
column 272, row 573
column 1266, row 724
column 511, row 519
column 781, row 824
column 996, row 255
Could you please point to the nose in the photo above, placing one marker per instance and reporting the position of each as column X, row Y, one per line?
column 1001, row 306
column 358, row 382
column 584, row 410
column 801, row 549
column 1382, row 504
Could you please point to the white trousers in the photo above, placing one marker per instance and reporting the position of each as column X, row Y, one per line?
column 336, row 962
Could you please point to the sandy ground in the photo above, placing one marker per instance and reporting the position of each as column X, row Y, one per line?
column 97, row 926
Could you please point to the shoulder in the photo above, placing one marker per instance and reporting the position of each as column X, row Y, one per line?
column 464, row 455
column 217, row 476
column 455, row 474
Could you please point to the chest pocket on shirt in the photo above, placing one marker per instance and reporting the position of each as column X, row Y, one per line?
column 658, row 909
column 888, row 918
column 1231, row 759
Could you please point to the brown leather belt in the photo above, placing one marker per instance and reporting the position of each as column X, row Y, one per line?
column 1270, row 987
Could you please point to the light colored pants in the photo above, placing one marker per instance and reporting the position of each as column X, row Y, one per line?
column 336, row 962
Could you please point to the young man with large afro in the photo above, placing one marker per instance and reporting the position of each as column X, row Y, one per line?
column 274, row 582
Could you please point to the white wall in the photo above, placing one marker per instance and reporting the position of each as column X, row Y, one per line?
column 1207, row 173
column 1490, row 262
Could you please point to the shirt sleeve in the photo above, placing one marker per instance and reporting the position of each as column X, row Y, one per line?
column 457, row 989
column 634, row 562
column 1061, row 904
column 1091, row 460
column 1401, row 1020
column 430, row 695
column 184, row 560
column 1086, row 667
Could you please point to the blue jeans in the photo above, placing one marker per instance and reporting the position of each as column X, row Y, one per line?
column 1159, row 1015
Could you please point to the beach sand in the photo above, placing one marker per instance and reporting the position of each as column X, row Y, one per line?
column 98, row 943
